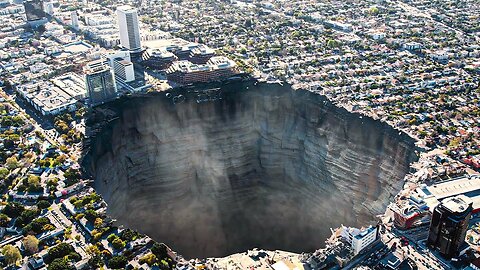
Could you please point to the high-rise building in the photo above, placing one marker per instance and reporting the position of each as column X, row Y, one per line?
column 74, row 17
column 34, row 10
column 122, row 66
column 123, row 69
column 48, row 8
column 128, row 26
column 449, row 225
column 100, row 82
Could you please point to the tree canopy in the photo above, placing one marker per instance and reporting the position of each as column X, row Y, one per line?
column 30, row 243
column 12, row 254
column 117, row 262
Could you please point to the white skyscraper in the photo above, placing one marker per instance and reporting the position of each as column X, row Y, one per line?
column 122, row 66
column 128, row 26
column 48, row 7
column 74, row 17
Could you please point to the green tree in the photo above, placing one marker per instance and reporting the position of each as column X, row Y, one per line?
column 95, row 262
column 117, row 262
column 111, row 237
column 33, row 182
column 98, row 222
column 332, row 44
column 13, row 209
column 91, row 215
column 78, row 204
column 118, row 244
column 74, row 256
column 11, row 163
column 52, row 183
column 71, row 174
column 164, row 265
column 93, row 250
column 60, row 159
column 128, row 235
column 373, row 10
column 63, row 148
column 3, row 173
column 160, row 250
column 12, row 254
column 60, row 264
column 4, row 219
column 43, row 204
column 149, row 259
column 30, row 243
column 59, row 251
column 37, row 226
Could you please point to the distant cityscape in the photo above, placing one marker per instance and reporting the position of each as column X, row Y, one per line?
column 413, row 64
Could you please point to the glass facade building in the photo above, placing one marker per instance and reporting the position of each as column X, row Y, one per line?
column 449, row 225
column 100, row 83
column 34, row 10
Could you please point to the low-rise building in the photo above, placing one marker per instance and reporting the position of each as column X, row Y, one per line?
column 411, row 213
column 158, row 58
column 411, row 46
column 217, row 68
column 55, row 96
column 359, row 239
column 468, row 186
column 391, row 262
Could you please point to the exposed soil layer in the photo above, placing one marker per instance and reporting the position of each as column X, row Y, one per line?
column 266, row 167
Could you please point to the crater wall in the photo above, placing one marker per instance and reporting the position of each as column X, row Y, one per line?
column 266, row 167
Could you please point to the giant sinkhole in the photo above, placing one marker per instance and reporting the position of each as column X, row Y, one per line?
column 256, row 166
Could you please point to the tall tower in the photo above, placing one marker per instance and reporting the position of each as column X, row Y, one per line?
column 100, row 82
column 74, row 17
column 48, row 7
column 34, row 10
column 128, row 26
column 449, row 225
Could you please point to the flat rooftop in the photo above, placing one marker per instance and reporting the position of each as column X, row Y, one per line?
column 77, row 47
column 163, row 43
column 123, row 62
column 126, row 8
column 50, row 98
column 57, row 93
column 216, row 63
column 160, row 53
column 457, row 204
column 468, row 186
column 72, row 84
column 454, row 187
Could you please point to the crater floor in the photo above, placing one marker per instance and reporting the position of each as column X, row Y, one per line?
column 266, row 167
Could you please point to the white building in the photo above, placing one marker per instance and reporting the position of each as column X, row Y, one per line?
column 74, row 17
column 440, row 55
column 359, row 239
column 377, row 35
column 128, row 26
column 55, row 96
column 122, row 66
column 123, row 69
column 48, row 7
column 98, row 19
column 411, row 46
